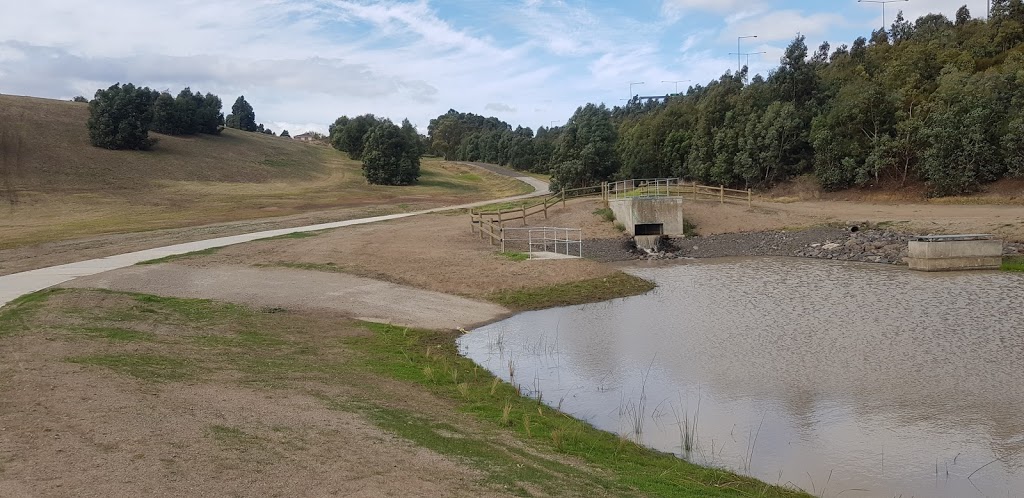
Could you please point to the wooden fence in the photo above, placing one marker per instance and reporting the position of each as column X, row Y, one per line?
column 490, row 223
column 673, row 187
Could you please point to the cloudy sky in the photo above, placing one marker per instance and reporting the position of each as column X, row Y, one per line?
column 302, row 63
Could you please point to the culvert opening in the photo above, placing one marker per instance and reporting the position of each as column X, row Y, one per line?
column 649, row 229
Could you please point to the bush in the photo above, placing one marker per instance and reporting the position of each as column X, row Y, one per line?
column 120, row 117
column 388, row 156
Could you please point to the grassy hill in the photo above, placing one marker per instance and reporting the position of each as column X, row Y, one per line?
column 61, row 187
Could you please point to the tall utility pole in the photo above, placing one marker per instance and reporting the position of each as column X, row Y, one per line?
column 883, row 2
column 631, row 88
column 677, row 82
column 739, row 52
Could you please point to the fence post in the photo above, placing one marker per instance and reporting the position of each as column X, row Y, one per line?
column 750, row 195
column 501, row 224
column 472, row 222
column 563, row 197
column 695, row 190
column 721, row 194
column 524, row 214
column 545, row 209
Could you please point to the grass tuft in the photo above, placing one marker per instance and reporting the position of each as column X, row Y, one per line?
column 630, row 469
column 148, row 367
column 13, row 316
column 176, row 257
column 294, row 235
column 115, row 334
column 516, row 256
column 586, row 291
column 606, row 214
column 1013, row 263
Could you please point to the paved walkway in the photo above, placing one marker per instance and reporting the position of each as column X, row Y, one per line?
column 18, row 284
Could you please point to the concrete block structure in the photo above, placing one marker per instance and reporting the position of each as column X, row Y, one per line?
column 955, row 252
column 649, row 215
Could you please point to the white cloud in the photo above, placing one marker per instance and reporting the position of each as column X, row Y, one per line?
column 499, row 107
column 782, row 25
column 675, row 9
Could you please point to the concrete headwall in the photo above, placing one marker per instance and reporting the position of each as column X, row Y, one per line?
column 955, row 255
column 666, row 211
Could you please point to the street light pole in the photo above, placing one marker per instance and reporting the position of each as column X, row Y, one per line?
column 677, row 82
column 883, row 2
column 631, row 88
column 748, row 54
column 740, row 52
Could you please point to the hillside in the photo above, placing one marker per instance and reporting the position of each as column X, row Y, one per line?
column 60, row 187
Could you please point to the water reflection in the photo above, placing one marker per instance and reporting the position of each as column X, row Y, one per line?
column 860, row 379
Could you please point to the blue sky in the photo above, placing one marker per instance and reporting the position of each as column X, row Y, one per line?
column 302, row 63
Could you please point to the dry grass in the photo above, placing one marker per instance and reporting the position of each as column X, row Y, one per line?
column 65, row 188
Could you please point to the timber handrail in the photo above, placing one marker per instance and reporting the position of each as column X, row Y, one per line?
column 493, row 221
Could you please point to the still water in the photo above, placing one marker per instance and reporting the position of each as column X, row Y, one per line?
column 838, row 378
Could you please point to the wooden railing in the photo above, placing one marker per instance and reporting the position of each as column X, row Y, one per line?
column 490, row 223
column 672, row 187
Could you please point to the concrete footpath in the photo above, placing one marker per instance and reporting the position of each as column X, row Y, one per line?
column 18, row 284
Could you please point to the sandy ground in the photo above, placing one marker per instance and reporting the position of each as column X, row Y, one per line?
column 80, row 430
column 348, row 295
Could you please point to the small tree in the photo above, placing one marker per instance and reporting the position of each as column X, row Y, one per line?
column 244, row 116
column 80, row 99
column 165, row 115
column 120, row 116
column 390, row 157
column 285, row 134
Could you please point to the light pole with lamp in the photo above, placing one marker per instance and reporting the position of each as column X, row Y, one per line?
column 631, row 88
column 883, row 2
column 739, row 53
column 676, row 82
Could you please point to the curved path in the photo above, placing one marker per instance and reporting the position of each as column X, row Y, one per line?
column 18, row 284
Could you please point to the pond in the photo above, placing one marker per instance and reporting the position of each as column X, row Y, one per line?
column 838, row 378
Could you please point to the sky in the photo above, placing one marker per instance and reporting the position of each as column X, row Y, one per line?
column 303, row 63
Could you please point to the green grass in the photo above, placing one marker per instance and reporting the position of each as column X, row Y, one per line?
column 620, row 227
column 689, row 229
column 115, row 334
column 431, row 360
column 586, row 291
column 148, row 367
column 519, row 445
column 294, row 235
column 232, row 437
column 328, row 267
column 507, row 206
column 175, row 257
column 244, row 339
column 14, row 314
column 606, row 214
column 1013, row 263
column 516, row 256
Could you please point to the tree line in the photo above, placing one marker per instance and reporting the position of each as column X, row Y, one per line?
column 937, row 100
column 390, row 153
column 121, row 116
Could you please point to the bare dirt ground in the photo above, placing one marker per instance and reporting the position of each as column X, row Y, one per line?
column 434, row 252
column 296, row 289
column 160, row 410
column 66, row 251
column 1004, row 220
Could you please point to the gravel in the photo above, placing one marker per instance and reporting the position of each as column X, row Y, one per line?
column 869, row 245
